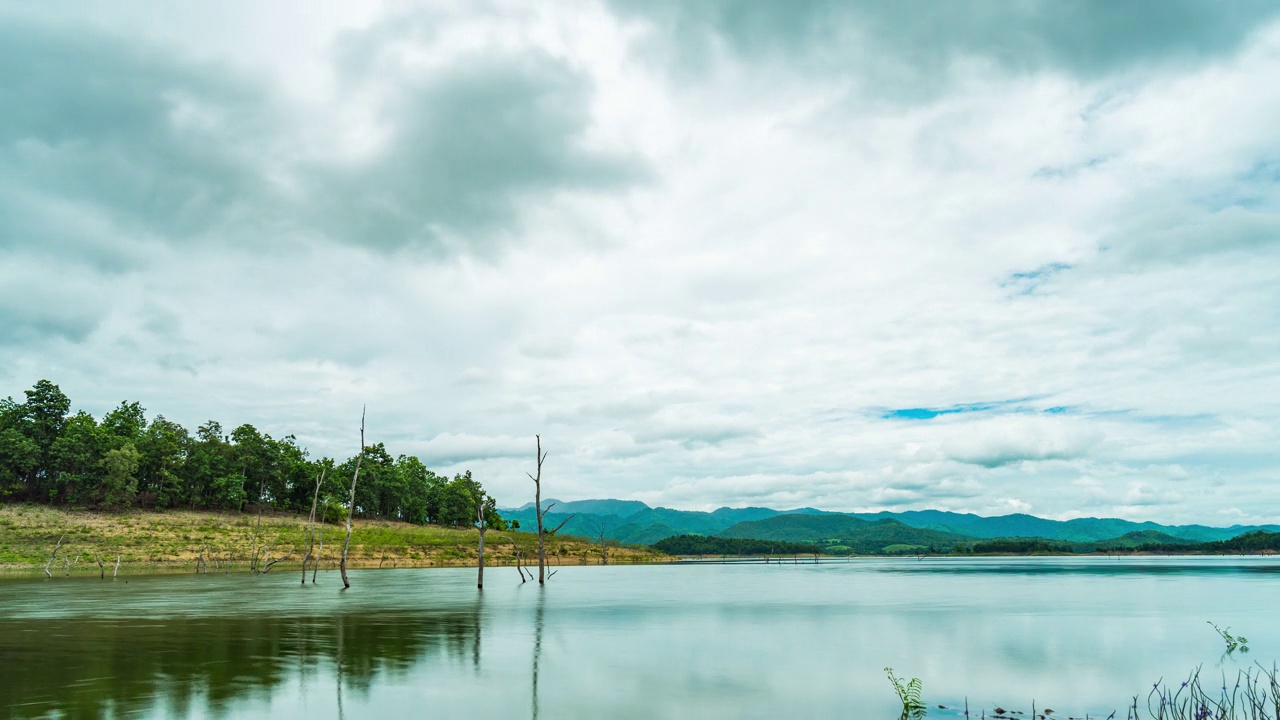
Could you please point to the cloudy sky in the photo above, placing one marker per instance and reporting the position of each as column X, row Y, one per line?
column 986, row 257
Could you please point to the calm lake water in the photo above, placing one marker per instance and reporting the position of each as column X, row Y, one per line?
column 719, row 641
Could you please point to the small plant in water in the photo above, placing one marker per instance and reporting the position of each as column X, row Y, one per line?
column 909, row 693
column 1234, row 642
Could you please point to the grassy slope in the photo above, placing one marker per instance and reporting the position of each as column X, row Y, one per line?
column 172, row 540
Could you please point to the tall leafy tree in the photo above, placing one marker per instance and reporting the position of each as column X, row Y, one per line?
column 119, row 477
column 19, row 454
column 45, row 414
column 162, row 459
column 76, row 460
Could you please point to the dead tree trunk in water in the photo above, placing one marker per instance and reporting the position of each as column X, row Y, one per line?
column 480, row 523
column 315, row 566
column 604, row 547
column 53, row 556
column 537, row 508
column 351, row 505
column 311, row 526
column 253, row 562
column 117, row 570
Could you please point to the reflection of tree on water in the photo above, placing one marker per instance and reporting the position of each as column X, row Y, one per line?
column 91, row 668
column 338, row 669
column 539, row 610
column 477, row 621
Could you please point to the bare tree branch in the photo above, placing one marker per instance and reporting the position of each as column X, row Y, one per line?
column 54, row 555
column 537, row 504
column 562, row 524
column 351, row 505
column 268, row 564
column 519, row 554
column 311, row 522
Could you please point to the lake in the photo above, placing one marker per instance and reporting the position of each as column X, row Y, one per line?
column 674, row 641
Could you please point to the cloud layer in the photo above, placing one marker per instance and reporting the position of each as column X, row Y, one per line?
column 1017, row 258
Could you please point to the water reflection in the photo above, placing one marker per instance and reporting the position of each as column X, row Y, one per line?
column 704, row 642
column 82, row 667
column 539, row 617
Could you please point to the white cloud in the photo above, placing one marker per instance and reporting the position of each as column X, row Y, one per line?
column 1092, row 257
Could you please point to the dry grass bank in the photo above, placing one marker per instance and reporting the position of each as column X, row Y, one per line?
column 165, row 541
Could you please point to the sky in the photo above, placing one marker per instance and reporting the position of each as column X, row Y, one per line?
column 982, row 257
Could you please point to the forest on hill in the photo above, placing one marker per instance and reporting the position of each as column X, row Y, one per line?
column 634, row 522
column 52, row 456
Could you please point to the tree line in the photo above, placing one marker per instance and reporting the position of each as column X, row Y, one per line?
column 712, row 545
column 52, row 456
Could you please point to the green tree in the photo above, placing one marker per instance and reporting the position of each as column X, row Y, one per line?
column 162, row 457
column 45, row 414
column 457, row 504
column 76, row 460
column 119, row 479
column 210, row 462
column 127, row 421
column 226, row 492
column 19, row 457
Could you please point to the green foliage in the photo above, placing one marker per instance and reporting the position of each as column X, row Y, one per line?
column 1234, row 642
column 119, row 482
column 1256, row 541
column 909, row 692
column 1020, row 546
column 227, row 492
column 860, row 536
column 702, row 545
column 50, row 456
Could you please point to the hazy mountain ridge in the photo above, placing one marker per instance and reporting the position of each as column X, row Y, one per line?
column 635, row 522
column 844, row 533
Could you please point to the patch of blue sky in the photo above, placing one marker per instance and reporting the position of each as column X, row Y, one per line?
column 1026, row 283
column 1227, row 199
column 1171, row 420
column 1003, row 407
column 1263, row 171
column 1056, row 172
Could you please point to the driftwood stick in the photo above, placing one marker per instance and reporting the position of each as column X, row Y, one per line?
column 266, row 566
column 54, row 555
column 515, row 551
column 117, row 570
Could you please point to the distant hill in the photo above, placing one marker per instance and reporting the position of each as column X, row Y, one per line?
column 703, row 545
column 1077, row 530
column 634, row 522
column 1144, row 540
column 844, row 533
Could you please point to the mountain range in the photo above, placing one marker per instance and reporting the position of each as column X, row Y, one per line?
column 634, row 522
